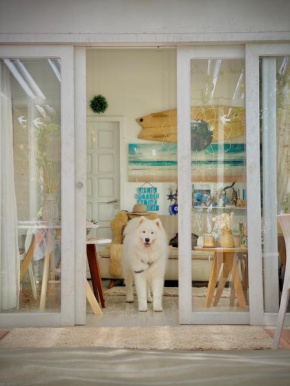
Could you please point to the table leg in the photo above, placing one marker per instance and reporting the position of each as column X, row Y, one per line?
column 28, row 257
column 44, row 282
column 238, row 285
column 52, row 280
column 228, row 262
column 232, row 296
column 95, row 273
column 245, row 276
column 212, row 282
column 92, row 300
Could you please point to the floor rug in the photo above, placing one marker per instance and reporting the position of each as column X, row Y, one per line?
column 143, row 338
column 167, row 291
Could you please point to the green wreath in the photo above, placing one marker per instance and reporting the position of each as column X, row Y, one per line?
column 99, row 104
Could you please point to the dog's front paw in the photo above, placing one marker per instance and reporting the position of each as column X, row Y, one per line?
column 143, row 306
column 157, row 307
column 130, row 300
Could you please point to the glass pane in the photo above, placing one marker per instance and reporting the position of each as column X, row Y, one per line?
column 275, row 167
column 30, row 185
column 219, row 195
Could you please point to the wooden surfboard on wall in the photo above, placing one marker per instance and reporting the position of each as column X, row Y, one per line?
column 224, row 122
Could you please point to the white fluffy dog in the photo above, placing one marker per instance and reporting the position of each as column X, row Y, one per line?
column 145, row 254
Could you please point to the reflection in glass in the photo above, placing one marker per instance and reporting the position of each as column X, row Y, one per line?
column 275, row 170
column 30, row 185
column 219, row 214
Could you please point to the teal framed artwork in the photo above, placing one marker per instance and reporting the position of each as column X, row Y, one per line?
column 158, row 163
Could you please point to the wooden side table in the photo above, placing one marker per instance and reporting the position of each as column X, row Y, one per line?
column 92, row 255
column 227, row 257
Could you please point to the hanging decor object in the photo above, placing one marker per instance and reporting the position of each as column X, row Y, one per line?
column 173, row 198
column 209, row 124
column 148, row 196
column 99, row 104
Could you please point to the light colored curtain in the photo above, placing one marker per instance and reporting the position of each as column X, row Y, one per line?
column 9, row 253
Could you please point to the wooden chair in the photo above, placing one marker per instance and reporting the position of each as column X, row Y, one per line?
column 284, row 221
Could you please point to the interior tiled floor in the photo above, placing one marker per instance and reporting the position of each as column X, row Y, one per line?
column 118, row 313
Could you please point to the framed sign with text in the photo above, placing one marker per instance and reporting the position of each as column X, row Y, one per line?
column 149, row 197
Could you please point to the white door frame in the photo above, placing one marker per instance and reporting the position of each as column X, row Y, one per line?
column 67, row 315
column 186, row 314
column 253, row 54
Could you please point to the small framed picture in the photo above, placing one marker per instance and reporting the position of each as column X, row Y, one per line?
column 201, row 197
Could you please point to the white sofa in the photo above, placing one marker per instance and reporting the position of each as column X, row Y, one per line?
column 201, row 261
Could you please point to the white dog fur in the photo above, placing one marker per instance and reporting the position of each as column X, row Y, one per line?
column 145, row 254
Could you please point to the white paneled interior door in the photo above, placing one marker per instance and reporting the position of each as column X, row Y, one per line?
column 103, row 174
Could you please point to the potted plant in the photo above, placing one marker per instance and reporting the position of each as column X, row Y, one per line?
column 236, row 236
column 285, row 203
column 225, row 223
column 49, row 168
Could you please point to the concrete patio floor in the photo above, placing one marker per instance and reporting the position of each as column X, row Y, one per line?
column 66, row 366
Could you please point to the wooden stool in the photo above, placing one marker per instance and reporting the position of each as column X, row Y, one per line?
column 92, row 255
column 226, row 259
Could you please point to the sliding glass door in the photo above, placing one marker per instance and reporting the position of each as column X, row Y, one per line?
column 274, row 107
column 212, row 186
column 37, row 186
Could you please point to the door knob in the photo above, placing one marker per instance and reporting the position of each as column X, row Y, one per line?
column 80, row 184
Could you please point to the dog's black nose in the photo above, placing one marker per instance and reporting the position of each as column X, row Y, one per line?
column 147, row 240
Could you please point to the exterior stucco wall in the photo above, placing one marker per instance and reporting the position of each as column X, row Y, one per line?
column 151, row 21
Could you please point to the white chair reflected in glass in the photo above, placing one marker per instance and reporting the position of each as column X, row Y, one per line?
column 284, row 221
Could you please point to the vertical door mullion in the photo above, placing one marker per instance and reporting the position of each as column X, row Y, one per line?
column 253, row 188
column 67, row 189
column 184, row 186
column 80, row 165
column 269, row 143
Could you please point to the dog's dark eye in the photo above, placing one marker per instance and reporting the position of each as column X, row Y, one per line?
column 144, row 232
column 152, row 233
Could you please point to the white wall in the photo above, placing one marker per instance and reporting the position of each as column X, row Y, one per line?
column 86, row 21
column 135, row 83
